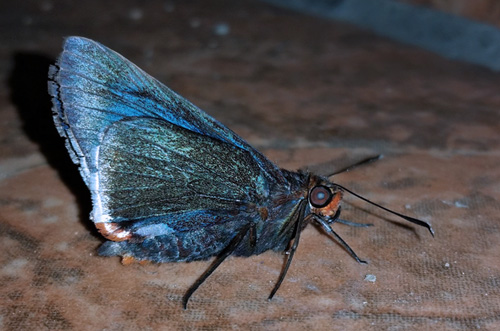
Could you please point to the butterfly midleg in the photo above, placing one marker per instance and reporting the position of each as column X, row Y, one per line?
column 235, row 242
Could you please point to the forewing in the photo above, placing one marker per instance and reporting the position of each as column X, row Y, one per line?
column 94, row 87
column 156, row 175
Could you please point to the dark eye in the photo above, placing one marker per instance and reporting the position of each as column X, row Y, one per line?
column 320, row 196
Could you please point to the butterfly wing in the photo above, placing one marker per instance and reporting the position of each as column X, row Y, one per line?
column 168, row 182
column 93, row 87
column 160, row 187
column 149, row 168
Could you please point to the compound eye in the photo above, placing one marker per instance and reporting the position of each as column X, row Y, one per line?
column 320, row 196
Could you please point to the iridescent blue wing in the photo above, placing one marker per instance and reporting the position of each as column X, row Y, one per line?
column 161, row 171
column 94, row 87
column 173, row 194
column 150, row 170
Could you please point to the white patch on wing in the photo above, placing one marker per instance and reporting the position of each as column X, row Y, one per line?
column 154, row 230
column 99, row 212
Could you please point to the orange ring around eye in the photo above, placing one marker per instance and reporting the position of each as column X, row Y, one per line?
column 333, row 205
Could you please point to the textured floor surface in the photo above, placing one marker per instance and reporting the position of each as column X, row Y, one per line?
column 306, row 92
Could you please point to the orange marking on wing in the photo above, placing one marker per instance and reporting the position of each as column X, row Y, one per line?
column 113, row 231
column 264, row 213
column 128, row 260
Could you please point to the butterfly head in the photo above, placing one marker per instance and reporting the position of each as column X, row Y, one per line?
column 324, row 198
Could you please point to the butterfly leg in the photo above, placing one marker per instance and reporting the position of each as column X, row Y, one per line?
column 220, row 258
column 253, row 237
column 326, row 227
column 336, row 218
column 355, row 224
column 298, row 229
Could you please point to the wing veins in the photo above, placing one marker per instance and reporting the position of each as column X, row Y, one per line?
column 151, row 202
column 218, row 174
column 116, row 97
column 162, row 160
column 137, row 73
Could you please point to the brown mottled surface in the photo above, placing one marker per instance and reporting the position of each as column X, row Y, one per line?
column 304, row 91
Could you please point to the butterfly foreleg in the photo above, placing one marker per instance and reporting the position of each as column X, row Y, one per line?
column 326, row 227
column 298, row 219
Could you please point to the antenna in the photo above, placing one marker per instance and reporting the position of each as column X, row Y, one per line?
column 357, row 164
column 408, row 218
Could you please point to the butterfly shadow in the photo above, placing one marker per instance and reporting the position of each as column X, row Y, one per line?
column 27, row 83
column 375, row 215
